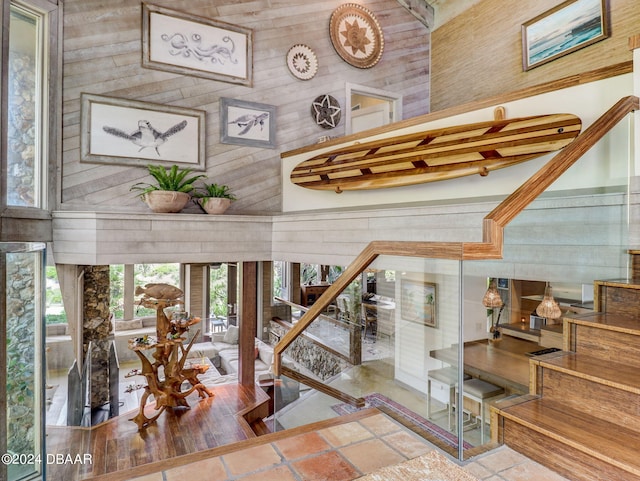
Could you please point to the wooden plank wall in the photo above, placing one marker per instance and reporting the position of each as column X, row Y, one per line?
column 478, row 54
column 102, row 55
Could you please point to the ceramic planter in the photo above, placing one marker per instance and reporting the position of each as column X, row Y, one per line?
column 214, row 205
column 164, row 201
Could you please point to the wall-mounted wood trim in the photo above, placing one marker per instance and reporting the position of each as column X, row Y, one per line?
column 634, row 42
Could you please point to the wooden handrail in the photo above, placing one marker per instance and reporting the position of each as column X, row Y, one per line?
column 492, row 227
column 549, row 173
column 322, row 387
column 313, row 339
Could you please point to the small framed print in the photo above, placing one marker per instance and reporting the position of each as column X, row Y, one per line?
column 247, row 123
column 418, row 302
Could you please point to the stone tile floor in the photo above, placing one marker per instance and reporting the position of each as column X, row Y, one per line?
column 345, row 452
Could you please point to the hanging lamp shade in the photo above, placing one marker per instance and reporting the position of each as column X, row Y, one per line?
column 548, row 308
column 492, row 297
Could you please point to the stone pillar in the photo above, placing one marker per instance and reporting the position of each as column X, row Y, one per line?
column 96, row 331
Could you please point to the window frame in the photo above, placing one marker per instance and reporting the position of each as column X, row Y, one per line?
column 49, row 111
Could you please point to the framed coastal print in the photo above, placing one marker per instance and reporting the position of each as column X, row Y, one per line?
column 570, row 26
column 247, row 123
column 418, row 302
column 129, row 132
column 183, row 43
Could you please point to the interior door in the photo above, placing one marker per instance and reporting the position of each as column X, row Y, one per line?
column 370, row 117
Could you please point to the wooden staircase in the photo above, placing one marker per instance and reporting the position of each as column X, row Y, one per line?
column 582, row 418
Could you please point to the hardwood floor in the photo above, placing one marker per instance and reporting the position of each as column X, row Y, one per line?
column 117, row 445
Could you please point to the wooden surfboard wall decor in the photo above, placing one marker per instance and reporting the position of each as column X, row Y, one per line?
column 435, row 155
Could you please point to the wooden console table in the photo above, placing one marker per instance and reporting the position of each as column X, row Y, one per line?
column 309, row 294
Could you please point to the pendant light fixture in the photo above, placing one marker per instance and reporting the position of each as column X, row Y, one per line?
column 492, row 297
column 548, row 308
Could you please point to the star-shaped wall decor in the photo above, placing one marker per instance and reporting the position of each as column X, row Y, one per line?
column 356, row 35
column 326, row 111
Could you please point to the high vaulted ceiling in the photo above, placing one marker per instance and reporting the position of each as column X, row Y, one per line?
column 435, row 13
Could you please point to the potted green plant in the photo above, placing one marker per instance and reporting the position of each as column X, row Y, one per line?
column 214, row 198
column 172, row 189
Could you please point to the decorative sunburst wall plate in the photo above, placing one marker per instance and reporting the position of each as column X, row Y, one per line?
column 302, row 62
column 356, row 35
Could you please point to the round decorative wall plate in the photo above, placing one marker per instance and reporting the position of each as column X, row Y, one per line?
column 326, row 111
column 302, row 62
column 356, row 35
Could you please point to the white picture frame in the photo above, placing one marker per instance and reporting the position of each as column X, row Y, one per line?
column 187, row 44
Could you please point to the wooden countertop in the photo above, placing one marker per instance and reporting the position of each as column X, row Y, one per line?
column 504, row 363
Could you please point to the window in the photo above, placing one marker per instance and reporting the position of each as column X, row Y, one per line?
column 124, row 279
column 55, row 313
column 281, row 273
column 218, row 290
column 27, row 108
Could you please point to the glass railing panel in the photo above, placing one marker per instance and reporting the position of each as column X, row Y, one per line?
column 576, row 232
column 401, row 327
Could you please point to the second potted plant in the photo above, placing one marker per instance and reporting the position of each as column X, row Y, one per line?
column 172, row 190
column 214, row 198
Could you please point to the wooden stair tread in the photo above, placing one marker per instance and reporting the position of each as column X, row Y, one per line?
column 613, row 444
column 629, row 283
column 602, row 320
column 613, row 374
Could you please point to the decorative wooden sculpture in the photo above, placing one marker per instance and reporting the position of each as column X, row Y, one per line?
column 165, row 373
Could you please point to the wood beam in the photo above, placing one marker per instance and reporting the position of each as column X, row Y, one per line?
column 248, row 323
column 421, row 10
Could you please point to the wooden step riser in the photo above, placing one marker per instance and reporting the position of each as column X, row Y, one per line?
column 634, row 255
column 592, row 398
column 619, row 300
column 610, row 346
column 560, row 457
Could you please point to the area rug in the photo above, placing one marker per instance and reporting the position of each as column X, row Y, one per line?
column 432, row 466
column 406, row 416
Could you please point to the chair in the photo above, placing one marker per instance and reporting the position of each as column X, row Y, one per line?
column 370, row 320
column 343, row 308
column 386, row 325
column 449, row 377
column 481, row 392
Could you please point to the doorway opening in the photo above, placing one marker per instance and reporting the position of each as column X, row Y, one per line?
column 368, row 107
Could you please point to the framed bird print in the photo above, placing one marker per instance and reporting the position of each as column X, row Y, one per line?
column 130, row 132
column 247, row 123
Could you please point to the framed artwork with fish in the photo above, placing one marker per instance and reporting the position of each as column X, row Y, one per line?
column 130, row 132
column 569, row 26
column 247, row 123
column 187, row 44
